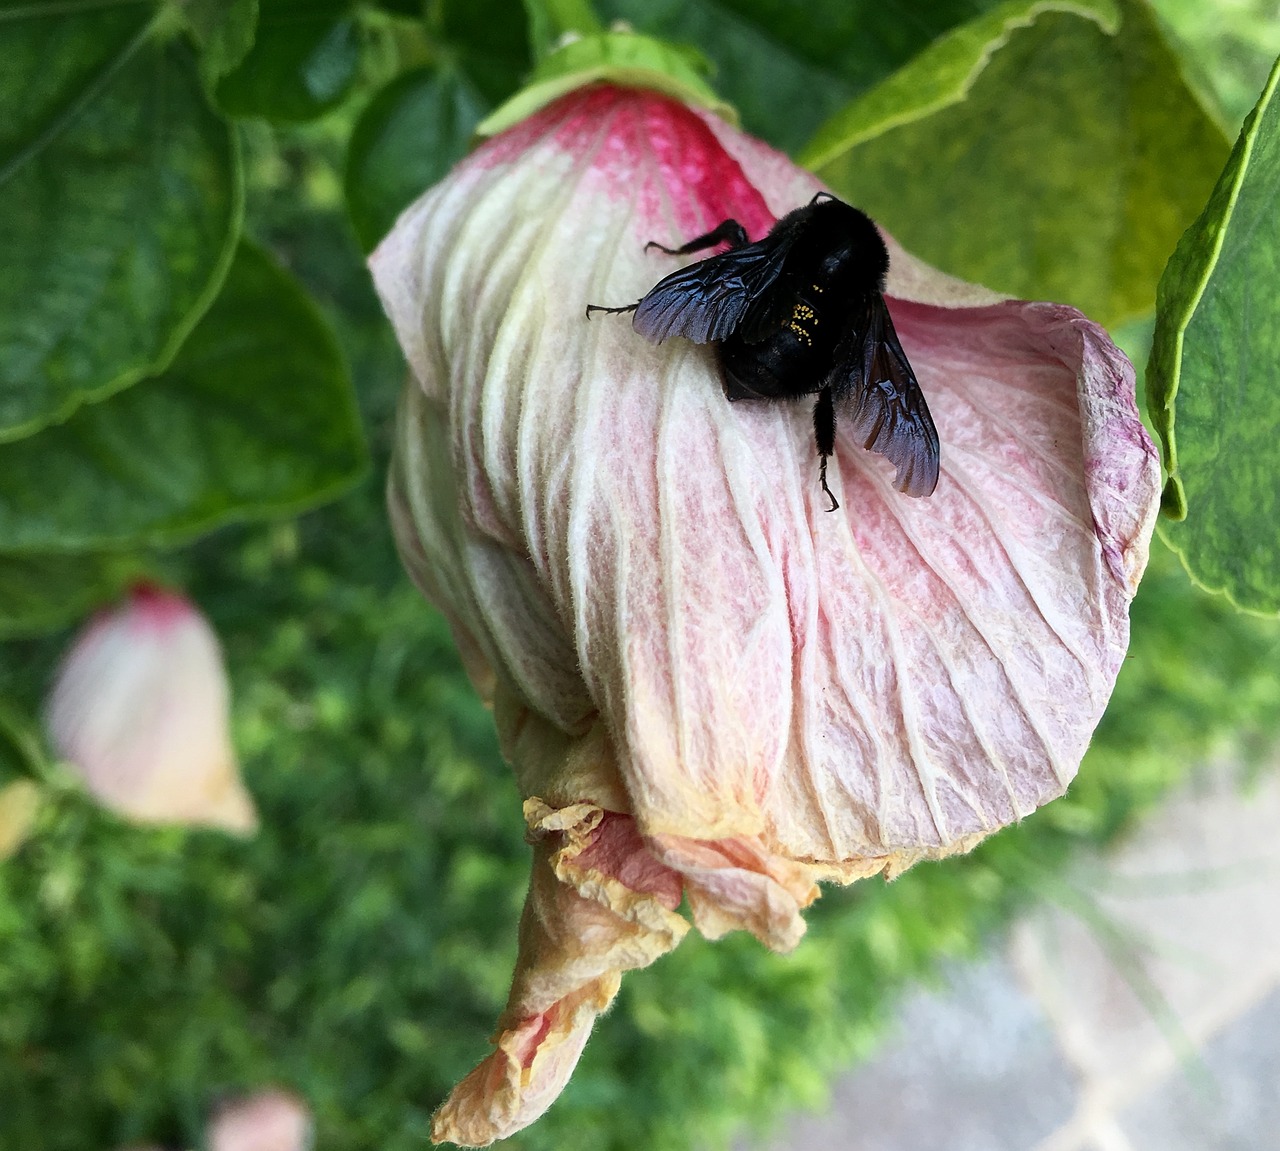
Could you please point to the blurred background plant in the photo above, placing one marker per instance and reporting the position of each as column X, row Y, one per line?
column 187, row 190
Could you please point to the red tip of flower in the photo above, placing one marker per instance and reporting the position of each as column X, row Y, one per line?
column 140, row 710
column 628, row 129
column 157, row 606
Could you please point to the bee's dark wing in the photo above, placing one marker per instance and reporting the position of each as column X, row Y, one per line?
column 711, row 299
column 876, row 392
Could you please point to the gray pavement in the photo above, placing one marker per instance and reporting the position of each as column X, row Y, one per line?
column 1138, row 1012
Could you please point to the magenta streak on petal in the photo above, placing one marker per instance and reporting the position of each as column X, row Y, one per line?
column 617, row 850
column 697, row 170
column 156, row 607
column 702, row 183
column 149, row 610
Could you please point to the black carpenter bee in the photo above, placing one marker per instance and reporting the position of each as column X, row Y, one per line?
column 802, row 312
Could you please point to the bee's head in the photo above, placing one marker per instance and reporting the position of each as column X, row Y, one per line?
column 850, row 251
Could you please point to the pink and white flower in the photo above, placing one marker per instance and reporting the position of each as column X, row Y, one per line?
column 140, row 710
column 710, row 688
column 271, row 1120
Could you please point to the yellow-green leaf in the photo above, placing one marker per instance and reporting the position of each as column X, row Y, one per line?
column 1048, row 149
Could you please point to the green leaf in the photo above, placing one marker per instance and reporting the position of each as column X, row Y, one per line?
column 56, row 62
column 121, row 197
column 303, row 62
column 22, row 762
column 225, row 31
column 255, row 417
column 1076, row 156
column 42, row 591
column 22, row 753
column 624, row 58
column 1214, row 375
column 406, row 140
column 489, row 40
column 787, row 69
column 943, row 75
column 551, row 19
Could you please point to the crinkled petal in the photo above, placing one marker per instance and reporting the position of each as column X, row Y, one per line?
column 599, row 904
column 644, row 578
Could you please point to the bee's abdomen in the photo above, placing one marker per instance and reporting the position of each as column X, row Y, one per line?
column 792, row 361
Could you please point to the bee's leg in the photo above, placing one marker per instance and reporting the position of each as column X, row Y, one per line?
column 611, row 311
column 824, row 432
column 729, row 231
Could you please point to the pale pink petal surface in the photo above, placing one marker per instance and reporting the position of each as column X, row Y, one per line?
column 140, row 709
column 271, row 1120
column 680, row 643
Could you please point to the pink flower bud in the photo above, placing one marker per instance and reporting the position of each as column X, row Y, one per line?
column 140, row 710
column 268, row 1121
column 710, row 688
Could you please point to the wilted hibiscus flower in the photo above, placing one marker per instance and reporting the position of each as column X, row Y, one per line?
column 711, row 689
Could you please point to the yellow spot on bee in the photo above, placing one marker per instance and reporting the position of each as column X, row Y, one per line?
column 801, row 317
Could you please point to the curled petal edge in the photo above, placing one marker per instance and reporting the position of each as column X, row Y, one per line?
column 582, row 927
column 602, row 901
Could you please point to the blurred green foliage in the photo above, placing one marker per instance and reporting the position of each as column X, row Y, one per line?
column 358, row 950
column 303, row 61
column 405, row 141
column 1229, row 45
